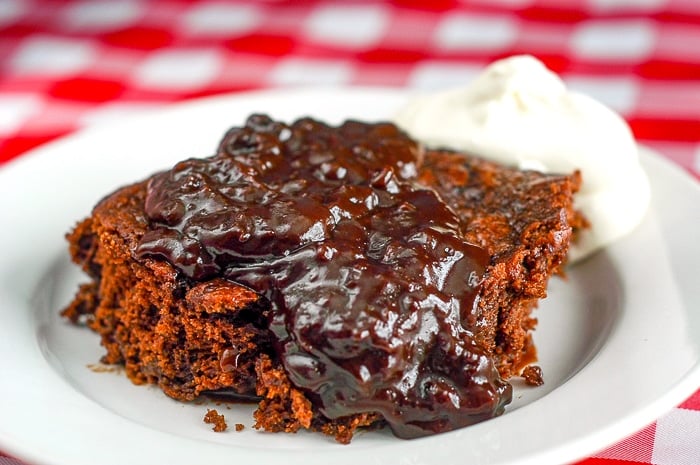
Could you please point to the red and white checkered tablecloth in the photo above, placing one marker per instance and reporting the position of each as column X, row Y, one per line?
column 68, row 64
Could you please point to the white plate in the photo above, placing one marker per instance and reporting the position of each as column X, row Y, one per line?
column 619, row 341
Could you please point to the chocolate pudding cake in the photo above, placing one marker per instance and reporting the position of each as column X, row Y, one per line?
column 339, row 277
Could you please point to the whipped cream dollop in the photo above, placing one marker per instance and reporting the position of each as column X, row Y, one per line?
column 519, row 113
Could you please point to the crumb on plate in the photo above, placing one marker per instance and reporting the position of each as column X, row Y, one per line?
column 215, row 418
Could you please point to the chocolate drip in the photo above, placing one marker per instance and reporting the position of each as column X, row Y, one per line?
column 371, row 284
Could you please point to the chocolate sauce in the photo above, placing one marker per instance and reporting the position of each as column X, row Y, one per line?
column 371, row 286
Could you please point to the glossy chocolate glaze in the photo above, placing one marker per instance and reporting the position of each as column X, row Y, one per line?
column 370, row 283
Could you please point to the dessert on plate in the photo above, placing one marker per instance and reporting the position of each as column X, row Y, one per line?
column 352, row 277
column 339, row 277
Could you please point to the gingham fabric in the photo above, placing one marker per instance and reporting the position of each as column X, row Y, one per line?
column 65, row 65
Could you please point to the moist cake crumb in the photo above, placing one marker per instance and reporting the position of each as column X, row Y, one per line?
column 533, row 375
column 215, row 418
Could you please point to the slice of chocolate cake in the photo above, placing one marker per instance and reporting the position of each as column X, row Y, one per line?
column 339, row 277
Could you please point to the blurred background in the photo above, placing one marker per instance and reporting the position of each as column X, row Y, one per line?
column 66, row 65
